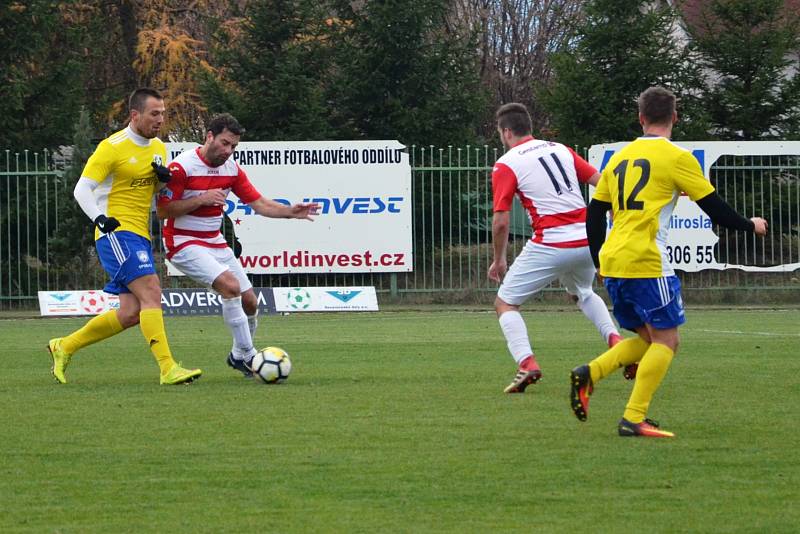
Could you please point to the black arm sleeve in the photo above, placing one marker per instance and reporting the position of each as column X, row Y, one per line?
column 722, row 214
column 596, row 227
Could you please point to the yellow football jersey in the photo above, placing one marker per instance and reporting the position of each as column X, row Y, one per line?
column 121, row 165
column 643, row 182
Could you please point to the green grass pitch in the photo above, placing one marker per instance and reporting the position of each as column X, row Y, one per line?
column 396, row 422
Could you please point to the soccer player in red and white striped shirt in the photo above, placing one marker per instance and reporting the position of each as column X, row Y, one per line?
column 546, row 178
column 192, row 205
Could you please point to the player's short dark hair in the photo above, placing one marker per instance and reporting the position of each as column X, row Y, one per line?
column 515, row 117
column 139, row 97
column 657, row 105
column 224, row 121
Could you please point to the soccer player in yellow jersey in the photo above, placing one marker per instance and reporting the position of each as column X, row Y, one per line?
column 640, row 185
column 116, row 191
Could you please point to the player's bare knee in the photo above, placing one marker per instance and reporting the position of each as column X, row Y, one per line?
column 147, row 291
column 227, row 285
column 129, row 318
column 501, row 306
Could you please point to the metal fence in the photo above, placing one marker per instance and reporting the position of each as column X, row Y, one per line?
column 451, row 194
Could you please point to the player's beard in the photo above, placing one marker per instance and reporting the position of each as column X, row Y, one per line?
column 216, row 161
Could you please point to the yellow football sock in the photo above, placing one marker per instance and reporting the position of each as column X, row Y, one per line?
column 97, row 329
column 652, row 368
column 623, row 353
column 151, row 321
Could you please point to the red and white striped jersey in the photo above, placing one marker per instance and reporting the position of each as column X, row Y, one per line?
column 192, row 176
column 545, row 175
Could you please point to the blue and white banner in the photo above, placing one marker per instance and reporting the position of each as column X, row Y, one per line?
column 364, row 192
column 314, row 299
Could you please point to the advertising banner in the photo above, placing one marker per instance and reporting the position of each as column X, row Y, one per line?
column 364, row 192
column 196, row 301
column 691, row 240
column 201, row 301
column 83, row 302
column 308, row 299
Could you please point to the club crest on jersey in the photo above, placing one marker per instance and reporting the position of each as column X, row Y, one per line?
column 142, row 255
column 157, row 159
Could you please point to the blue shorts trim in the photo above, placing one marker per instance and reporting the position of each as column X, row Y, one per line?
column 653, row 301
column 125, row 256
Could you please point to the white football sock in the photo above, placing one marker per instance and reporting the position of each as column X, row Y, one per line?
column 516, row 333
column 252, row 322
column 236, row 320
column 595, row 310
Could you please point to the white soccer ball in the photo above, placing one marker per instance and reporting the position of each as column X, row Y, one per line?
column 271, row 365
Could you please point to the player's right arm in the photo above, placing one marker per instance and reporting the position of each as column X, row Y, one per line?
column 97, row 169
column 596, row 221
column 500, row 228
column 171, row 205
column 504, row 186
column 168, row 209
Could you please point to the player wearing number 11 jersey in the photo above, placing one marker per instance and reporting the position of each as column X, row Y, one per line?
column 640, row 185
column 546, row 178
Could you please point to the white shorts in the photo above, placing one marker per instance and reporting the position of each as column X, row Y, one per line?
column 538, row 265
column 205, row 264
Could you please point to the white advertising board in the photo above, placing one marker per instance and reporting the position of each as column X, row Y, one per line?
column 82, row 302
column 364, row 192
column 202, row 301
column 308, row 299
column 691, row 240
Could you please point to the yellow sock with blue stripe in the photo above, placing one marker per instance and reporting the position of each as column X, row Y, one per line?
column 652, row 368
column 151, row 322
column 97, row 329
column 624, row 353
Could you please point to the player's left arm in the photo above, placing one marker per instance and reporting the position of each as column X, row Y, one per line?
column 585, row 171
column 689, row 178
column 721, row 213
column 504, row 186
column 269, row 208
column 266, row 207
column 500, row 229
column 163, row 174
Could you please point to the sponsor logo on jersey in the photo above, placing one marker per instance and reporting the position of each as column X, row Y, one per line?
column 143, row 182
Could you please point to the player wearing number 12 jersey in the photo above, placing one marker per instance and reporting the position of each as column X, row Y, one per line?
column 640, row 185
column 546, row 178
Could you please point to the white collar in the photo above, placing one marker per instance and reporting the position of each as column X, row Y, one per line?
column 136, row 138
